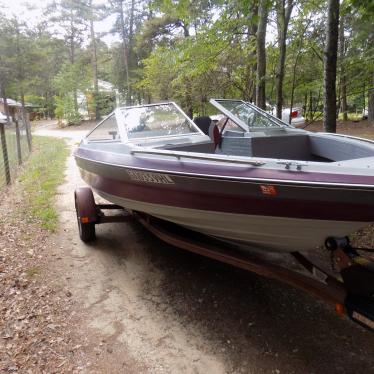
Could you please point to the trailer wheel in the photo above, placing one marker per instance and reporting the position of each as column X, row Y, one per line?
column 85, row 208
column 87, row 231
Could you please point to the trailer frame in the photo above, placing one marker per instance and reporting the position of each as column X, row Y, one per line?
column 351, row 292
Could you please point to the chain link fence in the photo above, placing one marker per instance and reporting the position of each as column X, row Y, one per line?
column 13, row 150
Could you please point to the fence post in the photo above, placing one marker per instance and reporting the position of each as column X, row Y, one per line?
column 5, row 153
column 18, row 142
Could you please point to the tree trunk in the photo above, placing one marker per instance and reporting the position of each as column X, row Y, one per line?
column 330, row 57
column 188, row 95
column 131, row 33
column 343, row 80
column 3, row 96
column 125, row 56
column 283, row 18
column 94, row 60
column 294, row 75
column 261, row 55
column 293, row 85
column 20, row 78
column 253, row 72
column 6, row 108
column 371, row 101
column 72, row 56
column 371, row 105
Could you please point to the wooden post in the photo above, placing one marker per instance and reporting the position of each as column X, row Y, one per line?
column 26, row 122
column 5, row 153
column 18, row 142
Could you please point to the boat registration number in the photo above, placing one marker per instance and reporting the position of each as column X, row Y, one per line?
column 141, row 176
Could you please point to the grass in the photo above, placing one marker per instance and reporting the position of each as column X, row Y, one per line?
column 42, row 174
column 353, row 116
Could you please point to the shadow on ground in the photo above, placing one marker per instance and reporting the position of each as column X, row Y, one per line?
column 256, row 324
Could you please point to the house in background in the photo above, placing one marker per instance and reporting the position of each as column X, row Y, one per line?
column 109, row 98
column 15, row 109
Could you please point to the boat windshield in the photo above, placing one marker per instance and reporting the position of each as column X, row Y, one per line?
column 106, row 130
column 156, row 121
column 247, row 116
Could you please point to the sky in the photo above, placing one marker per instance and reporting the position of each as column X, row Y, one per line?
column 21, row 9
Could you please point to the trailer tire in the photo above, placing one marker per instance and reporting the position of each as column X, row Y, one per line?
column 85, row 207
column 87, row 231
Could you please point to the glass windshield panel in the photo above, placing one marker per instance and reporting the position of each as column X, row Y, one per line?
column 226, row 124
column 107, row 130
column 247, row 114
column 156, row 120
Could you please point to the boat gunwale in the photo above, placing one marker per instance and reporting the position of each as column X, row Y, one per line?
column 257, row 180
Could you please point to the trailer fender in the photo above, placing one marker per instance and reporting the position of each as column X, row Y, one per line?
column 85, row 205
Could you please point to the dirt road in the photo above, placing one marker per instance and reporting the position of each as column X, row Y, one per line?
column 145, row 307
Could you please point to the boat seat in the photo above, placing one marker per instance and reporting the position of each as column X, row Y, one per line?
column 291, row 147
column 235, row 146
column 203, row 124
column 339, row 148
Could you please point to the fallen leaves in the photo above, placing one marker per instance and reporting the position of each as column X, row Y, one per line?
column 35, row 313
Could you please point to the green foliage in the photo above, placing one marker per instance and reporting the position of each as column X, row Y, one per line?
column 65, row 109
column 72, row 78
column 106, row 102
column 182, row 50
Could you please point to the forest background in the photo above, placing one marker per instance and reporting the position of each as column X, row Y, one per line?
column 275, row 53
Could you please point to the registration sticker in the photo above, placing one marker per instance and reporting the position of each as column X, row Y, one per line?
column 141, row 176
column 268, row 190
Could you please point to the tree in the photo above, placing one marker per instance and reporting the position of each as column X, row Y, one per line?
column 330, row 58
column 129, row 16
column 72, row 78
column 94, row 57
column 70, row 16
column 16, row 67
column 261, row 54
column 343, row 79
column 283, row 18
column 173, row 26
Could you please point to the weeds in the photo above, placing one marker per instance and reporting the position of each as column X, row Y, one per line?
column 42, row 174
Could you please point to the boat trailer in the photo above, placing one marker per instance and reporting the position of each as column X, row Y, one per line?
column 348, row 286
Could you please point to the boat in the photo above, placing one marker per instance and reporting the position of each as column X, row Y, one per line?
column 248, row 178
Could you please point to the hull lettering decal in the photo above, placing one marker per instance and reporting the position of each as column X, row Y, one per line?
column 141, row 176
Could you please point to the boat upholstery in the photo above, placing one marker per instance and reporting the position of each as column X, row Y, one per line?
column 292, row 146
column 339, row 148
